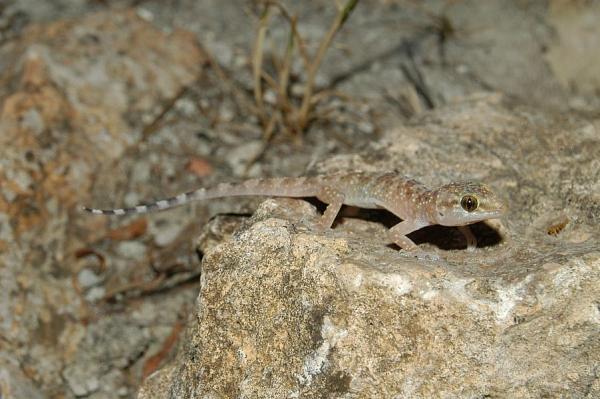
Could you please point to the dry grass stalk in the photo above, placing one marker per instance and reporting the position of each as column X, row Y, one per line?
column 288, row 114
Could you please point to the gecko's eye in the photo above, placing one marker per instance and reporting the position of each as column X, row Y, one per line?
column 469, row 203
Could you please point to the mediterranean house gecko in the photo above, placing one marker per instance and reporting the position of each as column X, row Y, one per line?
column 454, row 204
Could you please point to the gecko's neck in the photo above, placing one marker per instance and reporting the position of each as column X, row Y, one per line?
column 418, row 205
column 430, row 209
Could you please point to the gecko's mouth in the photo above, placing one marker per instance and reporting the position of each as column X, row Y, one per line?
column 496, row 214
column 481, row 216
column 495, row 210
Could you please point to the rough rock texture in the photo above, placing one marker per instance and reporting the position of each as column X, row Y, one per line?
column 286, row 312
column 13, row 384
column 65, row 103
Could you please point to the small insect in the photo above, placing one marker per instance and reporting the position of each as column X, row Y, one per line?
column 557, row 225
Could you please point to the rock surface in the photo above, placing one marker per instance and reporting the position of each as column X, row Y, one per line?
column 13, row 384
column 284, row 312
column 65, row 105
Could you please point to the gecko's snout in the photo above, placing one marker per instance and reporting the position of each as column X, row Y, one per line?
column 502, row 207
column 497, row 212
column 495, row 206
column 490, row 206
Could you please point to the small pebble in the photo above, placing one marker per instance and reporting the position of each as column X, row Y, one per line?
column 93, row 384
column 141, row 171
column 165, row 234
column 87, row 278
column 95, row 294
column 132, row 250
column 270, row 97
column 226, row 114
column 186, row 106
column 366, row 127
column 145, row 14
column 239, row 157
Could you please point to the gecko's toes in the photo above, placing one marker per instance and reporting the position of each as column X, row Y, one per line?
column 308, row 223
column 319, row 226
column 425, row 255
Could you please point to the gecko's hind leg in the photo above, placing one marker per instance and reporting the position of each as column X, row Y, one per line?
column 334, row 200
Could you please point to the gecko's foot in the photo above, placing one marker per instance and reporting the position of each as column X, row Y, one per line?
column 424, row 255
column 320, row 227
column 312, row 224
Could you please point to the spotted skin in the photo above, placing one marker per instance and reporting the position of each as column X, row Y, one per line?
column 455, row 204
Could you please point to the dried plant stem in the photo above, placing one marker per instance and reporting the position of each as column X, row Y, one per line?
column 343, row 14
column 229, row 84
column 286, row 114
column 257, row 62
column 284, row 75
column 292, row 21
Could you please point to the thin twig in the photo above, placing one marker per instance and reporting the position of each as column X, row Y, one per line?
column 269, row 80
column 241, row 97
column 285, row 115
column 284, row 74
column 316, row 63
column 257, row 61
column 267, row 137
column 292, row 21
column 155, row 124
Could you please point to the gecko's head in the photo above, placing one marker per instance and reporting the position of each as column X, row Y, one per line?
column 459, row 204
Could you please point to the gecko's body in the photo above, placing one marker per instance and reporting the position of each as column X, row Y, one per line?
column 455, row 204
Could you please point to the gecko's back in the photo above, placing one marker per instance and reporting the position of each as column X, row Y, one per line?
column 367, row 190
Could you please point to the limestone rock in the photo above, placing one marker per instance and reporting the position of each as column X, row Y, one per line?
column 13, row 383
column 286, row 312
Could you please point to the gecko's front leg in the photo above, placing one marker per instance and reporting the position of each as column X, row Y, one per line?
column 471, row 239
column 398, row 235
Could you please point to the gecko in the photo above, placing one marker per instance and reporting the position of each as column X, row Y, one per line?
column 455, row 204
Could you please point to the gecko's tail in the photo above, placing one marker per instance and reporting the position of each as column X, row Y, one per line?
column 163, row 204
column 276, row 187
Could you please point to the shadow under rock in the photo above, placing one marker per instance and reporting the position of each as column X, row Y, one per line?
column 443, row 237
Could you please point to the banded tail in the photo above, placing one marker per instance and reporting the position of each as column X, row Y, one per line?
column 274, row 187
